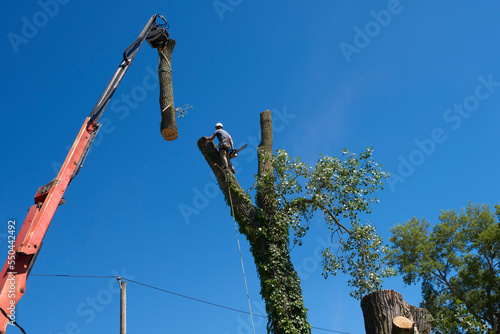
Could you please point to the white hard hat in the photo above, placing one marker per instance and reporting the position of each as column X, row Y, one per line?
column 218, row 124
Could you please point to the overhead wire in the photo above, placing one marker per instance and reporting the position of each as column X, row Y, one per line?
column 175, row 294
column 187, row 297
column 81, row 276
column 12, row 321
column 151, row 287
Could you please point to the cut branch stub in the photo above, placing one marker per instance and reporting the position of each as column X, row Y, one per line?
column 402, row 325
column 168, row 124
column 265, row 171
column 266, row 143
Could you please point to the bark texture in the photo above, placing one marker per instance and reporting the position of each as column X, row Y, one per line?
column 422, row 319
column 380, row 308
column 168, row 124
column 265, row 170
column 268, row 236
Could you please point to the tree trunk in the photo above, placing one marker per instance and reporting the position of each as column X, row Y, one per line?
column 381, row 308
column 168, row 124
column 422, row 318
column 265, row 172
column 268, row 236
column 402, row 325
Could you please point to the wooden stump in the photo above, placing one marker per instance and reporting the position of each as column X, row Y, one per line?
column 382, row 308
column 402, row 325
column 168, row 124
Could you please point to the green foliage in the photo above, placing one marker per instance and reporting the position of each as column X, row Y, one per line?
column 364, row 260
column 341, row 189
column 458, row 262
column 286, row 201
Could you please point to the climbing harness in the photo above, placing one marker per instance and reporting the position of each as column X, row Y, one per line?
column 239, row 248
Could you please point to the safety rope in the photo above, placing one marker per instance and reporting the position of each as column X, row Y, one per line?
column 241, row 257
column 165, row 69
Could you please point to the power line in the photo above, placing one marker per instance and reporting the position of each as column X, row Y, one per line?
column 195, row 299
column 176, row 294
column 81, row 276
column 151, row 287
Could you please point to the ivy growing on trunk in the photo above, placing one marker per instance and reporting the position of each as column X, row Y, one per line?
column 288, row 194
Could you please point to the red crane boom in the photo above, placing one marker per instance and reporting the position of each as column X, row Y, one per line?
column 24, row 249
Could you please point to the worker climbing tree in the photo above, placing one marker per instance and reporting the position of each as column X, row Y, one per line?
column 226, row 146
column 288, row 193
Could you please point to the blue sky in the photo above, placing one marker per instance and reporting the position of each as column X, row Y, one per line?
column 417, row 80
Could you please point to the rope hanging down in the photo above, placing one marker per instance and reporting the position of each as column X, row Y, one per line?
column 241, row 257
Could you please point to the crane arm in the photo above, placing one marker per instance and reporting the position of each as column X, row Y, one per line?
column 24, row 248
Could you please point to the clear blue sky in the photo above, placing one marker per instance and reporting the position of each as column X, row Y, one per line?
column 417, row 80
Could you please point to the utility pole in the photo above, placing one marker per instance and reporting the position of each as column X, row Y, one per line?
column 123, row 306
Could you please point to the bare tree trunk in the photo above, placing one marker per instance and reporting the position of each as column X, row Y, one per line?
column 168, row 124
column 381, row 307
column 268, row 237
column 265, row 180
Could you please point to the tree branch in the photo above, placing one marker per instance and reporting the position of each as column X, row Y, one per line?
column 327, row 211
column 244, row 210
column 457, row 294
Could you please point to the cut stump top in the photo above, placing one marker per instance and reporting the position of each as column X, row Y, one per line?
column 402, row 322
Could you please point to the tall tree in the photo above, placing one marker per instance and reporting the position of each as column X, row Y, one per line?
column 458, row 262
column 288, row 193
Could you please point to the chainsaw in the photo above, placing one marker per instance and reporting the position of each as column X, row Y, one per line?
column 234, row 153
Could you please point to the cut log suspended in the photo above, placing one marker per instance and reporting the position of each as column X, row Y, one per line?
column 168, row 124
